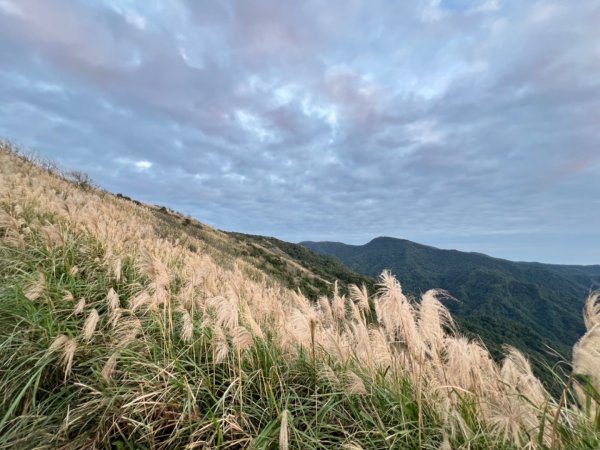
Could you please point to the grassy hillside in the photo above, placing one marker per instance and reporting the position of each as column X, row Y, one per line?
column 290, row 264
column 529, row 305
column 118, row 332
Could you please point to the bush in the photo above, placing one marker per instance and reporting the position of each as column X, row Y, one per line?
column 81, row 179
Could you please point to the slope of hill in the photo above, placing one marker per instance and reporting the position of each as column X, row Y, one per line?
column 119, row 331
column 290, row 264
column 530, row 305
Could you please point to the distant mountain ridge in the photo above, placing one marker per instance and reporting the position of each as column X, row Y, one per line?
column 526, row 304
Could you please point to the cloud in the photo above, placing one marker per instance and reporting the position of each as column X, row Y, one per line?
column 447, row 122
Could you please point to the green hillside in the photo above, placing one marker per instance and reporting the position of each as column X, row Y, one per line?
column 292, row 265
column 532, row 306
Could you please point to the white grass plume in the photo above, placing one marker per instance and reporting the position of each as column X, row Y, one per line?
column 112, row 299
column 67, row 346
column 586, row 355
column 187, row 326
column 354, row 384
column 36, row 288
column 127, row 330
column 338, row 306
column 591, row 312
column 226, row 311
column 586, row 352
column 517, row 374
column 434, row 319
column 242, row 338
column 283, row 431
column 79, row 307
column 220, row 344
column 110, row 366
column 89, row 326
column 397, row 315
column 360, row 296
column 325, row 308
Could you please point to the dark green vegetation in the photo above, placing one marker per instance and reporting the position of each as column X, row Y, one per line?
column 533, row 306
column 293, row 265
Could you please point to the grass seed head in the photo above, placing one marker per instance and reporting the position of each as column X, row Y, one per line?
column 36, row 288
column 89, row 326
column 110, row 366
column 284, row 437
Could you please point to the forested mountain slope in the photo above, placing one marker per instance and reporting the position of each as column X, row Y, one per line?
column 530, row 305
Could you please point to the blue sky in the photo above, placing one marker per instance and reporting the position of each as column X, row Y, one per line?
column 460, row 124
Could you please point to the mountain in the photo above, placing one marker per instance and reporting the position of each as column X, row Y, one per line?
column 532, row 306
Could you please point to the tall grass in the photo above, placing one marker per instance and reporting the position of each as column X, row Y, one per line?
column 111, row 337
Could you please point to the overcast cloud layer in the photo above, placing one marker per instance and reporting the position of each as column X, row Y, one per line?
column 456, row 123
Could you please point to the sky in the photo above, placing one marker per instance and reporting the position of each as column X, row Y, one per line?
column 461, row 124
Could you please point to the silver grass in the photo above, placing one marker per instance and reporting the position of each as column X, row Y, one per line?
column 303, row 326
column 220, row 344
column 79, row 307
column 380, row 350
column 112, row 298
column 110, row 366
column 517, row 374
column 52, row 236
column 357, row 314
column 354, row 384
column 251, row 323
column 586, row 352
column 114, row 317
column 327, row 373
column 338, row 308
column 36, row 288
column 445, row 444
column 242, row 338
column 10, row 223
column 142, row 299
column 187, row 326
column 325, row 308
column 397, row 315
column 58, row 343
column 591, row 313
column 351, row 446
column 434, row 319
column 156, row 270
column 127, row 331
column 67, row 346
column 360, row 296
column 116, row 268
column 69, row 350
column 283, row 431
column 89, row 326
column 226, row 311
column 586, row 355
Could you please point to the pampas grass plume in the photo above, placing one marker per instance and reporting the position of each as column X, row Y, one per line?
column 112, row 298
column 110, row 366
column 36, row 288
column 89, row 326
column 80, row 306
column 284, row 437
